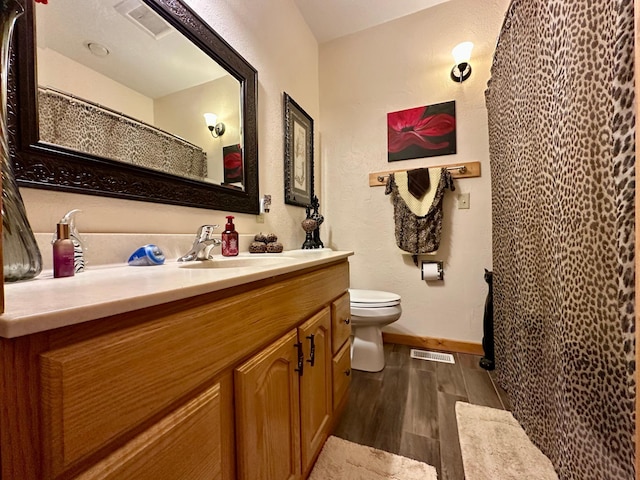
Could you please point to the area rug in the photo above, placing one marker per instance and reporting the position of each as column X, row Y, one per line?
column 343, row 460
column 495, row 447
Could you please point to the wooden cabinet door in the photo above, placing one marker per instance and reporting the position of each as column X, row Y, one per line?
column 341, row 328
column 188, row 443
column 315, row 385
column 268, row 413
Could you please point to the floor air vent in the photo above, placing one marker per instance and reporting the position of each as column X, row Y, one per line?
column 433, row 356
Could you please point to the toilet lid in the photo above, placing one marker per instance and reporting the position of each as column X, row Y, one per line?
column 373, row 298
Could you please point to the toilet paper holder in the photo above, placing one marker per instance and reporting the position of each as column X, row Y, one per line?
column 440, row 270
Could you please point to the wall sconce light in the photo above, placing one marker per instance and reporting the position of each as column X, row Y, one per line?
column 216, row 129
column 461, row 54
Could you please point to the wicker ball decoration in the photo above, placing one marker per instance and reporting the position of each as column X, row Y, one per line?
column 271, row 237
column 260, row 237
column 309, row 225
column 274, row 247
column 257, row 247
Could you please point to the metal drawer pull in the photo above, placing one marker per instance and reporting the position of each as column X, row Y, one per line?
column 347, row 321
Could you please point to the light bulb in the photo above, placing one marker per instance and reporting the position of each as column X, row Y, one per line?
column 462, row 52
column 211, row 119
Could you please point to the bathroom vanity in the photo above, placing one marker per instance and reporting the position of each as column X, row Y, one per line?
column 175, row 372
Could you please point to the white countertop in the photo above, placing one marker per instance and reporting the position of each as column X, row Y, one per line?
column 46, row 303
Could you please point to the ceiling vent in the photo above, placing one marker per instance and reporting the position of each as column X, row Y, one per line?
column 144, row 18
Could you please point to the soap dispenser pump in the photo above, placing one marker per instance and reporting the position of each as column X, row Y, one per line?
column 76, row 239
column 230, row 239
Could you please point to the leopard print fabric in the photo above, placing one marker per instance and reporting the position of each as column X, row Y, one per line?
column 86, row 127
column 419, row 234
column 562, row 147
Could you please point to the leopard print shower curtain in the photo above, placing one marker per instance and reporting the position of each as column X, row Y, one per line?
column 562, row 146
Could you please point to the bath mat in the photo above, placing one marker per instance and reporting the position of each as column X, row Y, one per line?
column 342, row 460
column 495, row 447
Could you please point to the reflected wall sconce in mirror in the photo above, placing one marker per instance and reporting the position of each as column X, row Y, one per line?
column 216, row 129
column 462, row 69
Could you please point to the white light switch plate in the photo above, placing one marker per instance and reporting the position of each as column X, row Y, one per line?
column 464, row 200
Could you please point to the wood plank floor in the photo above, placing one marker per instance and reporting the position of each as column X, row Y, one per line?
column 408, row 408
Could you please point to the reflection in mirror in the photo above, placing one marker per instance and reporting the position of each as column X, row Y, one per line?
column 115, row 80
column 171, row 123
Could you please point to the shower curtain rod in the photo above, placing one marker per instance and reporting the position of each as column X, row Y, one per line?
column 460, row 170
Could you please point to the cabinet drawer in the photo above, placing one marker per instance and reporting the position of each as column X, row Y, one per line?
column 341, row 374
column 188, row 443
column 341, row 322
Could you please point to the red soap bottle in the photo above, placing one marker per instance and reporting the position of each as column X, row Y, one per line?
column 230, row 239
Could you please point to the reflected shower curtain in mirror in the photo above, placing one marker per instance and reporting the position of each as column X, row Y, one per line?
column 85, row 126
column 561, row 127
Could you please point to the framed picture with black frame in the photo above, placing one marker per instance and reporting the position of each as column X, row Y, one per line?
column 298, row 154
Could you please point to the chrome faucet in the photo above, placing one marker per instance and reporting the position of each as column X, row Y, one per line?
column 202, row 245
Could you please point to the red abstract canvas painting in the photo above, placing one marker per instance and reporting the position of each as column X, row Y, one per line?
column 232, row 158
column 422, row 132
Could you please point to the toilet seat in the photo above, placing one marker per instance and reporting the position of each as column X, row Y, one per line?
column 373, row 299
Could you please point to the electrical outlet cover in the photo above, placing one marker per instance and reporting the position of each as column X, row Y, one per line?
column 464, row 200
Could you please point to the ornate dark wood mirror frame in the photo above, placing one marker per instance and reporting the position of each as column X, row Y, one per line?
column 40, row 165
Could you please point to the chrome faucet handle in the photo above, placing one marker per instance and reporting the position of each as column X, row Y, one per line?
column 205, row 232
column 202, row 245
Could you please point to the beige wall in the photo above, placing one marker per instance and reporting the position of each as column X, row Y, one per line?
column 286, row 60
column 58, row 71
column 182, row 113
column 395, row 66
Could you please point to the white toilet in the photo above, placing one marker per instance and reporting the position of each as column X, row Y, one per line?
column 370, row 311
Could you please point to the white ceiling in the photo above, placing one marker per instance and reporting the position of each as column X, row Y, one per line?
column 152, row 67
column 330, row 19
column 159, row 67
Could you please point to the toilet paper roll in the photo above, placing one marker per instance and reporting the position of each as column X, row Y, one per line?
column 432, row 271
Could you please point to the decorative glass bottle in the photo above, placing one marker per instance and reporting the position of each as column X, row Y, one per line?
column 21, row 255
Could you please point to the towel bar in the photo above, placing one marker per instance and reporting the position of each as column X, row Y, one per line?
column 463, row 170
column 460, row 168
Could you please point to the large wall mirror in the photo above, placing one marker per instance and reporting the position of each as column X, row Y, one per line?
column 108, row 97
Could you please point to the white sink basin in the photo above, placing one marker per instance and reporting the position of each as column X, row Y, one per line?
column 255, row 260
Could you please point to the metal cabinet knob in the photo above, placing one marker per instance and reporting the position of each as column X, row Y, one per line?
column 347, row 321
column 347, row 372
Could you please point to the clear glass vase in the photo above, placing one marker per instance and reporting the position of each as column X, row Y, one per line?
column 21, row 255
